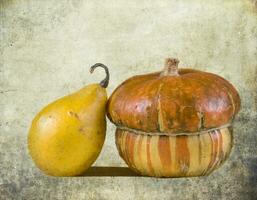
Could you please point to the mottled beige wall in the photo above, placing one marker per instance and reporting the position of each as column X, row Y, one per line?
column 47, row 47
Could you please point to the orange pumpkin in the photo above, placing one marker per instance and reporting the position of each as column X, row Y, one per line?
column 173, row 123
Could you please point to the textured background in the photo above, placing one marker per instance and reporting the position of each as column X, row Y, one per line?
column 47, row 47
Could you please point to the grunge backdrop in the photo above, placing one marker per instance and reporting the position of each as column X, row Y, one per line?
column 47, row 47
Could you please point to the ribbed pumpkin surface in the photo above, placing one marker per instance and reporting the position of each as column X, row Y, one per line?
column 184, row 101
column 175, row 156
column 174, row 123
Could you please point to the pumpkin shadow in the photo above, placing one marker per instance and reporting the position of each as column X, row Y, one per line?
column 104, row 171
column 109, row 171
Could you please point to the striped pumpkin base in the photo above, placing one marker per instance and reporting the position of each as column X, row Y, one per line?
column 174, row 156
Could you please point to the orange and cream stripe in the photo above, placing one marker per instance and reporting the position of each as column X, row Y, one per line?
column 174, row 156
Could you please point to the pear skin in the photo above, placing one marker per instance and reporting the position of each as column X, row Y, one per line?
column 67, row 136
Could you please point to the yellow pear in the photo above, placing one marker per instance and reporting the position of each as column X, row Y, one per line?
column 67, row 136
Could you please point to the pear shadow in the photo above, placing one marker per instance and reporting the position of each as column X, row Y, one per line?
column 109, row 171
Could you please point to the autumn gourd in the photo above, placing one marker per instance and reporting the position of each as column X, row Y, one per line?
column 174, row 123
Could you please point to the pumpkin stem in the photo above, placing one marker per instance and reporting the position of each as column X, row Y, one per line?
column 171, row 67
column 104, row 83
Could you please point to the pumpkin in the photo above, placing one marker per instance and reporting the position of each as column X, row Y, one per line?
column 174, row 123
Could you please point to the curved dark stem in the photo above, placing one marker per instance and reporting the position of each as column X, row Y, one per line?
column 104, row 83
